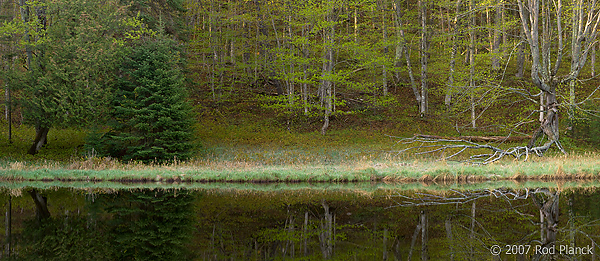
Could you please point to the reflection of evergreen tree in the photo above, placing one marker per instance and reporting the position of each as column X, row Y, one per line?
column 63, row 238
column 150, row 225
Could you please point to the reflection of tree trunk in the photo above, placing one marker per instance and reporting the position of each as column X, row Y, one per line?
column 571, row 221
column 448, row 226
column 414, row 240
column 8, row 226
column 41, row 205
column 421, row 227
column 549, row 212
column 424, row 237
column 326, row 234
column 290, row 246
column 385, row 237
column 472, row 235
column 305, row 233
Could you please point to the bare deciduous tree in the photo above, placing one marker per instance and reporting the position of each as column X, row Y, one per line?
column 547, row 38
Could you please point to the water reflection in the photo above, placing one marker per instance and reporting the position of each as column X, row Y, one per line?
column 155, row 224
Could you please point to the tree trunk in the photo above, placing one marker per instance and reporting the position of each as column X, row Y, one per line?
column 41, row 134
column 9, row 112
column 450, row 88
column 326, row 84
column 382, row 9
column 593, row 61
column 305, row 72
column 472, row 63
column 497, row 39
column 411, row 76
column 520, row 57
column 424, row 101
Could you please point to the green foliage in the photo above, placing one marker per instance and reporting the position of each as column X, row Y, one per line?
column 159, row 15
column 71, row 61
column 64, row 238
column 151, row 118
column 149, row 225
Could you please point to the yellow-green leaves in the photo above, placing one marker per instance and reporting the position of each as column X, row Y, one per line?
column 135, row 29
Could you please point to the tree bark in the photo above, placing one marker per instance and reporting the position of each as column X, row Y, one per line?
column 326, row 84
column 593, row 61
column 520, row 57
column 497, row 39
column 543, row 74
column 424, row 101
column 450, row 88
column 411, row 76
column 41, row 134
column 382, row 8
column 472, row 63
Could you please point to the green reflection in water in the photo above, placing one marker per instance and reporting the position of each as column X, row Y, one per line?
column 305, row 224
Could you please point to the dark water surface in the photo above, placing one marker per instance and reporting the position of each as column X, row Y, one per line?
column 98, row 223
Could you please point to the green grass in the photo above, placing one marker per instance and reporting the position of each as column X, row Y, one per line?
column 576, row 167
column 63, row 145
column 258, row 152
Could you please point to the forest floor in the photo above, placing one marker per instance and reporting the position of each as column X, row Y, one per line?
column 254, row 152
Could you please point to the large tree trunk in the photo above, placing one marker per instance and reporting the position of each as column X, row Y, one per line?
column 41, row 134
column 543, row 73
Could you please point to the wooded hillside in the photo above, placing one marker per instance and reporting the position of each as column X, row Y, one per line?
column 523, row 67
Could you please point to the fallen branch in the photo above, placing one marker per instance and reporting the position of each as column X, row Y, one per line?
column 431, row 144
column 478, row 138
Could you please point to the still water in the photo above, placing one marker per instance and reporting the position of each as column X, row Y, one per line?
column 104, row 223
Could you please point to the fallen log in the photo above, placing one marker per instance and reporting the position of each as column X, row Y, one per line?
column 478, row 138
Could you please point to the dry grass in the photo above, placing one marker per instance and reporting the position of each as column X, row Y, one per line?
column 362, row 169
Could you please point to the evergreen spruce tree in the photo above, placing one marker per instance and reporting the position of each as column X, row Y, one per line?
column 151, row 118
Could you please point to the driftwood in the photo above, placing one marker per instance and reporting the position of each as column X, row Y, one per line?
column 477, row 138
column 450, row 148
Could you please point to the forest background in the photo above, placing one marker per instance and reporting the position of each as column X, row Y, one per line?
column 312, row 77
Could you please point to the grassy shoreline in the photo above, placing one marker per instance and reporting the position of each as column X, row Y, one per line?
column 567, row 168
column 250, row 153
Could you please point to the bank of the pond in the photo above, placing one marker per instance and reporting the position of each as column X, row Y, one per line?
column 578, row 167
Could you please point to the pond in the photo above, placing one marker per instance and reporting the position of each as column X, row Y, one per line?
column 208, row 222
